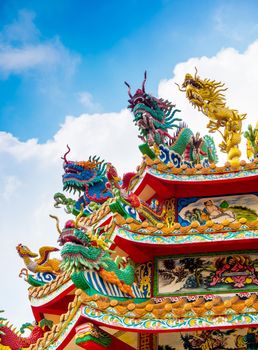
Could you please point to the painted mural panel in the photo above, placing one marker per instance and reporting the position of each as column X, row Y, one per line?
column 217, row 209
column 217, row 273
column 233, row 339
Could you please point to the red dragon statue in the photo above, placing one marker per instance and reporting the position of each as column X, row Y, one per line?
column 10, row 339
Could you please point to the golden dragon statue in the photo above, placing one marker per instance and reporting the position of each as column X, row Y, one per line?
column 41, row 264
column 207, row 95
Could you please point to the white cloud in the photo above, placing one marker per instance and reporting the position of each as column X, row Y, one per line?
column 22, row 49
column 15, row 60
column 225, row 22
column 10, row 185
column 223, row 25
column 112, row 136
column 21, row 30
column 87, row 101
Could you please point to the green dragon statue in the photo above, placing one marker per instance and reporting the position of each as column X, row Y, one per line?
column 88, row 177
column 82, row 250
column 154, row 117
column 251, row 136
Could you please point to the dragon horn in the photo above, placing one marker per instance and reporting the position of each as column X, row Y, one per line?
column 144, row 81
column 64, row 157
column 57, row 223
column 129, row 90
column 79, row 216
column 196, row 71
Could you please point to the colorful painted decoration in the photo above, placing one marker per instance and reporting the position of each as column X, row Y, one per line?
column 218, row 209
column 197, row 274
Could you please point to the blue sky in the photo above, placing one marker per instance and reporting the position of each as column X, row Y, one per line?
column 69, row 57
column 62, row 68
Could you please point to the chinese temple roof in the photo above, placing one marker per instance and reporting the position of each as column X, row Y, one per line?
column 169, row 248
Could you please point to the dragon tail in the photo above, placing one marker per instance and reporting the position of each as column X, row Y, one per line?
column 44, row 254
column 212, row 153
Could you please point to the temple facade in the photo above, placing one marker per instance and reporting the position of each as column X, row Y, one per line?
column 163, row 258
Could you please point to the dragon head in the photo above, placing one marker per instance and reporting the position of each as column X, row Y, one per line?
column 79, row 250
column 200, row 92
column 75, row 245
column 153, row 116
column 79, row 175
column 23, row 250
column 193, row 89
column 73, row 235
column 140, row 96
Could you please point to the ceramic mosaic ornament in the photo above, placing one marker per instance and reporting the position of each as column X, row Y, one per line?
column 161, row 258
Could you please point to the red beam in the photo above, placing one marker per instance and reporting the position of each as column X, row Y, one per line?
column 142, row 252
column 174, row 188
